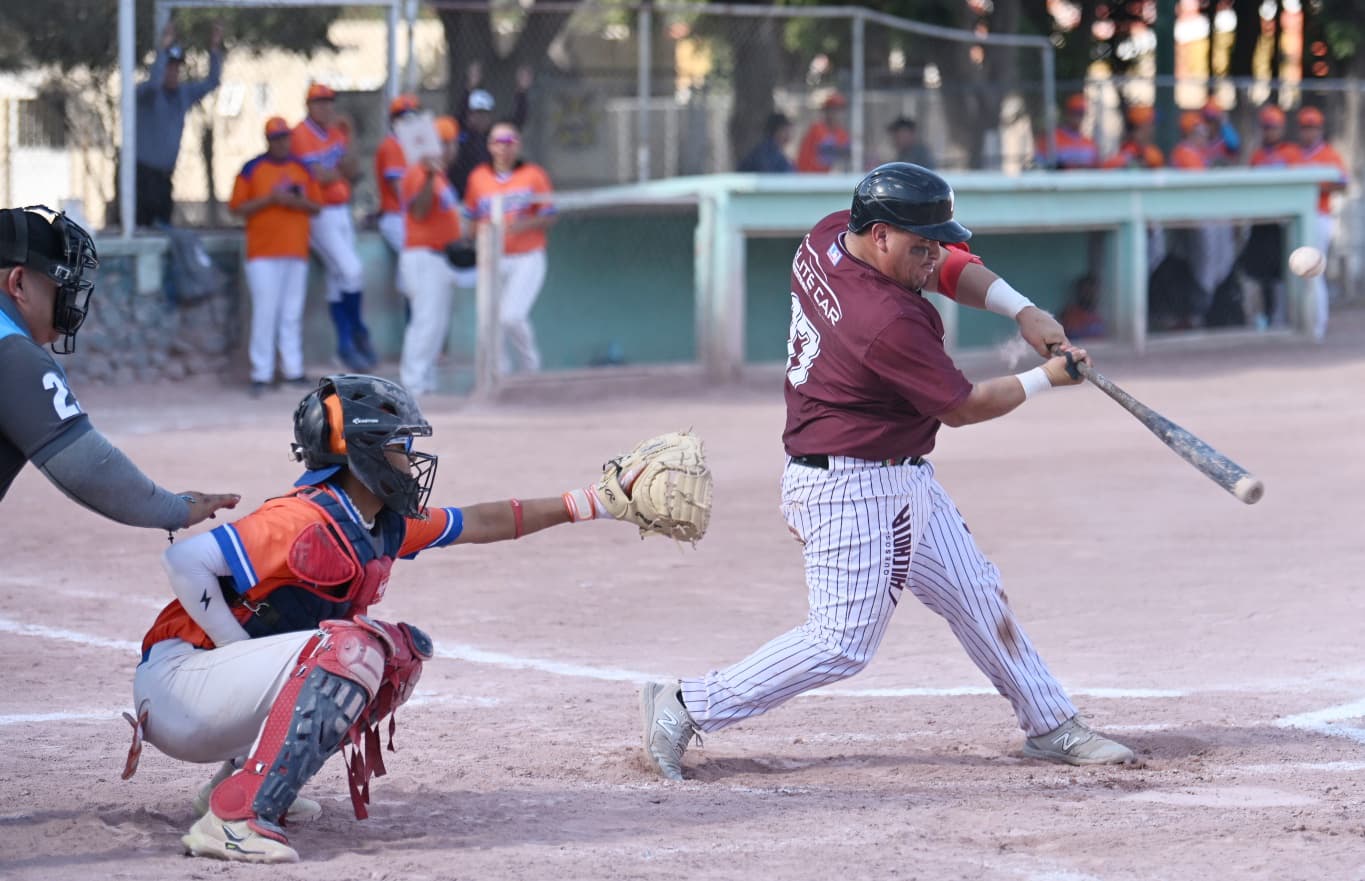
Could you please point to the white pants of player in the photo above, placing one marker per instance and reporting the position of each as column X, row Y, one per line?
column 870, row 531
column 278, row 286
column 520, row 278
column 332, row 235
column 1326, row 228
column 393, row 230
column 210, row 705
column 431, row 291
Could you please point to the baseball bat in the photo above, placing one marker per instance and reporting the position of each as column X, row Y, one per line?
column 1217, row 467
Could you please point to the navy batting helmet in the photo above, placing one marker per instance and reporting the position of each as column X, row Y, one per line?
column 908, row 197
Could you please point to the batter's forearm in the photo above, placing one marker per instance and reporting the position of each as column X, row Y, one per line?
column 988, row 400
column 94, row 473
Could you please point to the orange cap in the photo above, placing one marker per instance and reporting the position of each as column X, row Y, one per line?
column 1075, row 104
column 447, row 128
column 1212, row 109
column 1311, row 117
column 276, row 127
column 1190, row 120
column 319, row 92
column 1140, row 116
column 835, row 100
column 1270, row 115
column 403, row 104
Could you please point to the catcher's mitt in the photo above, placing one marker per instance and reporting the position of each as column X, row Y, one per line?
column 669, row 487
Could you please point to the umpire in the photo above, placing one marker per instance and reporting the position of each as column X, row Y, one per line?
column 45, row 268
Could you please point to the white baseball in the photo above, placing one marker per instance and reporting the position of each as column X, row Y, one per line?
column 1307, row 262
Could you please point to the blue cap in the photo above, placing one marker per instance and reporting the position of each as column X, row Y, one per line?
column 175, row 53
column 317, row 476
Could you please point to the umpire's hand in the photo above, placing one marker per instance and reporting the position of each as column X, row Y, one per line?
column 202, row 505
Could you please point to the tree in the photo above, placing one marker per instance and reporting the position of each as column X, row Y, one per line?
column 500, row 39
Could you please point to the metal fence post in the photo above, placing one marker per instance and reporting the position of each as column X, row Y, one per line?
column 488, row 338
column 127, row 155
column 859, row 117
column 644, row 27
column 1050, row 102
column 391, row 86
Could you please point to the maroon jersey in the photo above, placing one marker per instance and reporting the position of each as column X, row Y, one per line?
column 867, row 373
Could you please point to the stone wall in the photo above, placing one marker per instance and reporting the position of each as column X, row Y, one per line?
column 137, row 332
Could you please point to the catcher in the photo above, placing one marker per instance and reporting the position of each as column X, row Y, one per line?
column 268, row 661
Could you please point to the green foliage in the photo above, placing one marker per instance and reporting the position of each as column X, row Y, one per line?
column 75, row 34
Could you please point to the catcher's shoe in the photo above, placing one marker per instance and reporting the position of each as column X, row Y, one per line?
column 246, row 841
column 303, row 810
column 668, row 727
column 1073, row 743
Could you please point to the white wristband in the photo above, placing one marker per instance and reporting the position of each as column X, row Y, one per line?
column 1005, row 300
column 1033, row 381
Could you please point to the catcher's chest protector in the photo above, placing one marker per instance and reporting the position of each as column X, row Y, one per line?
column 340, row 572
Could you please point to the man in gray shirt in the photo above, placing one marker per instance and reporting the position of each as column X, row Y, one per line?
column 162, row 102
column 45, row 286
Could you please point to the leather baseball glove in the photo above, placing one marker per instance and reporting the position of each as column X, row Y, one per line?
column 662, row 486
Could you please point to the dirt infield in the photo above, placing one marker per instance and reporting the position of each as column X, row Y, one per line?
column 1221, row 641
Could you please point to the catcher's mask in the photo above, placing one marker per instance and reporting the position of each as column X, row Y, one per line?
column 59, row 249
column 358, row 422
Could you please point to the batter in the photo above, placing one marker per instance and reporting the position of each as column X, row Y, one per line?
column 868, row 385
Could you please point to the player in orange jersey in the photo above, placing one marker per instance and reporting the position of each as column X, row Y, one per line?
column 323, row 145
column 1074, row 150
column 278, row 198
column 1138, row 148
column 1263, row 255
column 1315, row 150
column 267, row 659
column 826, row 144
column 389, row 165
column 527, row 213
column 1192, row 153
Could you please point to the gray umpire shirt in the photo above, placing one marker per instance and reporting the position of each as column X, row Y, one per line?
column 41, row 422
column 161, row 112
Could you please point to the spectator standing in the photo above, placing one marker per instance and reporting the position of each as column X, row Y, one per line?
column 1263, row 255
column 770, row 156
column 1316, row 151
column 323, row 146
column 1138, row 148
column 526, row 215
column 278, row 198
column 431, row 217
column 162, row 102
column 389, row 165
column 906, row 144
column 825, row 147
column 1224, row 143
column 1074, row 149
column 476, row 118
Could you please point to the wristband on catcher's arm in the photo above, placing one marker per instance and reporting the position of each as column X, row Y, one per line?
column 584, row 504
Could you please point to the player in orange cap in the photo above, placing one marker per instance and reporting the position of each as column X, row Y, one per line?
column 1074, row 150
column 826, row 144
column 1138, row 148
column 1224, row 143
column 1263, row 255
column 1316, row 151
column 278, row 198
column 322, row 143
column 389, row 165
column 1192, row 153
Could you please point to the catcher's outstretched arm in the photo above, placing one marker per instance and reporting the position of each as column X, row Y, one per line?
column 488, row 522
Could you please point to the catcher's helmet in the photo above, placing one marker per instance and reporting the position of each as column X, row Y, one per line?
column 60, row 249
column 355, row 421
column 908, row 197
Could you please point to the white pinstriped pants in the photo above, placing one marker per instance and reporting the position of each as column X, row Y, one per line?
column 869, row 532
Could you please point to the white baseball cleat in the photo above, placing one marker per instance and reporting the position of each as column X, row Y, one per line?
column 667, row 727
column 236, row 840
column 1073, row 743
column 303, row 810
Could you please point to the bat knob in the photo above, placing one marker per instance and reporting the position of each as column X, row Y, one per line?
column 1249, row 489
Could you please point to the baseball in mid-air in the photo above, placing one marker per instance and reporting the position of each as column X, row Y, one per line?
column 1307, row 262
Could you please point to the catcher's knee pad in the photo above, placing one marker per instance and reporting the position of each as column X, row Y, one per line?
column 337, row 676
column 409, row 648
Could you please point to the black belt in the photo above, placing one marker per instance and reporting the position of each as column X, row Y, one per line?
column 821, row 461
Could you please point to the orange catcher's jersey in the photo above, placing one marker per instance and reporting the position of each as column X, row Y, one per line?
column 257, row 551
column 1323, row 153
column 320, row 149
